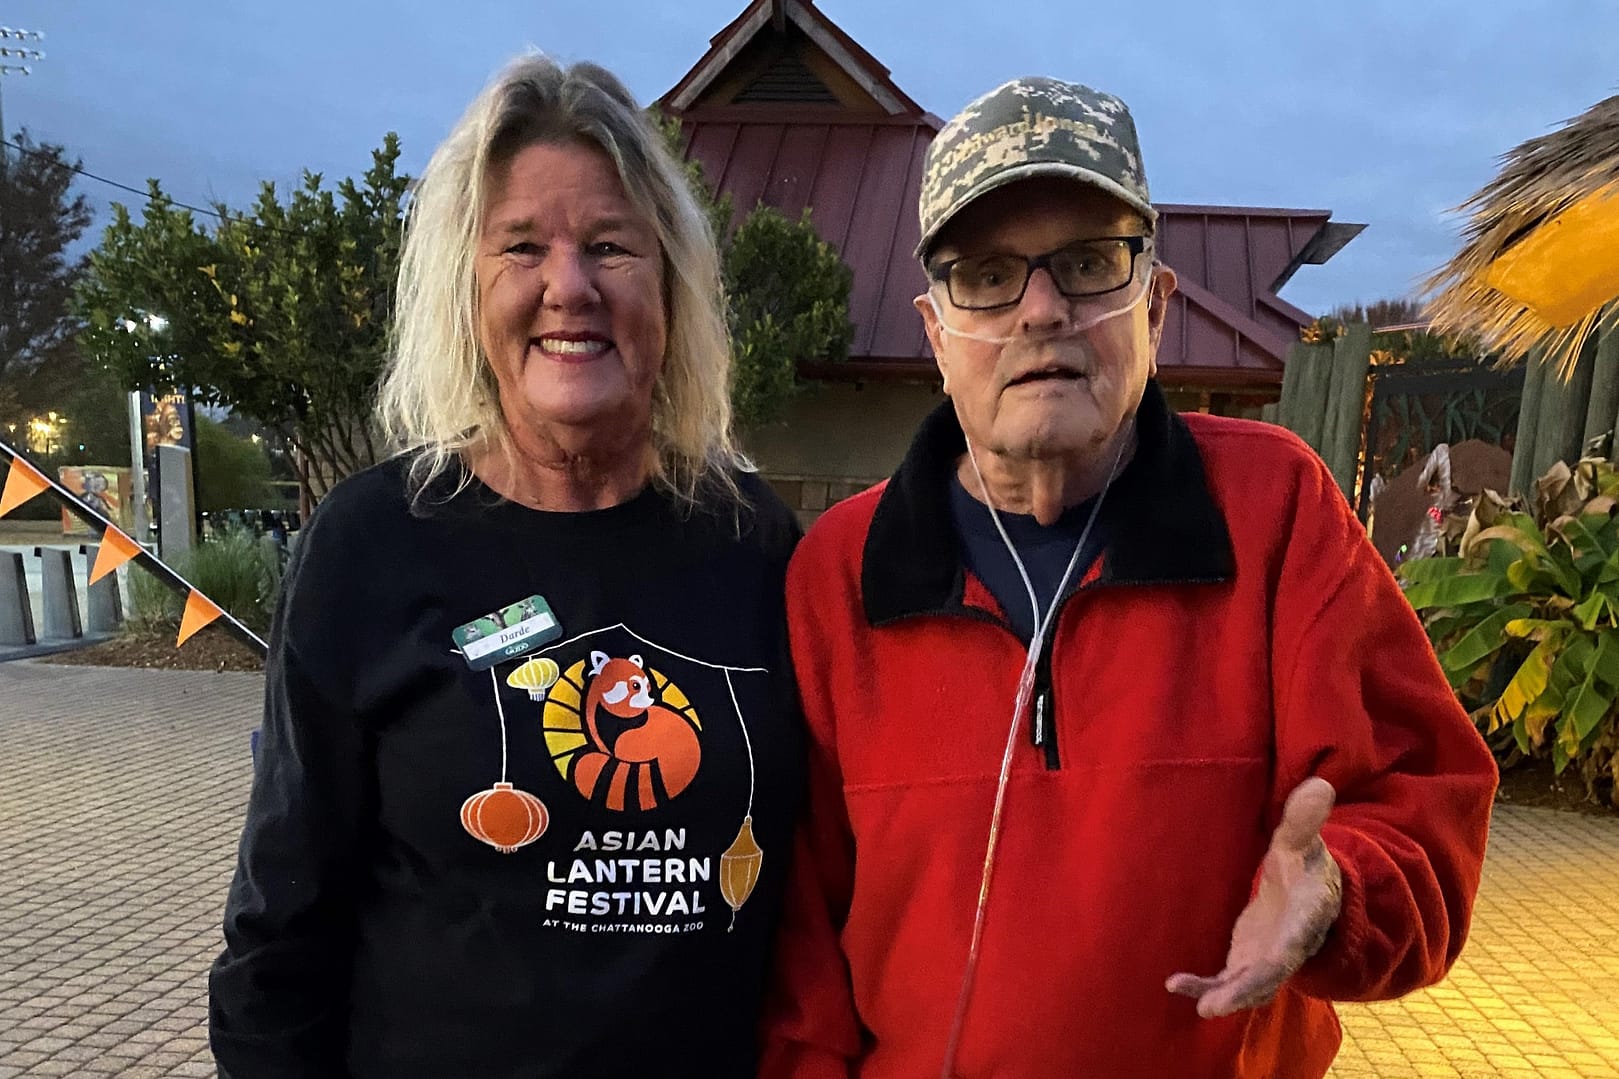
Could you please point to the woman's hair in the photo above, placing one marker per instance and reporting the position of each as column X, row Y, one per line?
column 439, row 397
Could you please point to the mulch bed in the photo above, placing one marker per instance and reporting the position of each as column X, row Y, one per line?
column 212, row 649
column 1533, row 783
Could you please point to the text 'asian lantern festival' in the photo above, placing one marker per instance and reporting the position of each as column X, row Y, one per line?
column 504, row 818
column 739, row 868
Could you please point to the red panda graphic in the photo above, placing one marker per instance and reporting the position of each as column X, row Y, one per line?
column 662, row 745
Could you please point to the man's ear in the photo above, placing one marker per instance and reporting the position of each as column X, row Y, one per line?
column 1163, row 287
column 930, row 323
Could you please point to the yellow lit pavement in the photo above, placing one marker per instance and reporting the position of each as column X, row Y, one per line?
column 1536, row 991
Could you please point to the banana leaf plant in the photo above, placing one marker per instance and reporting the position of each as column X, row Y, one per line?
column 1525, row 619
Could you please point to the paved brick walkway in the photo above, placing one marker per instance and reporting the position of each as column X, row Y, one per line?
column 121, row 795
column 1536, row 992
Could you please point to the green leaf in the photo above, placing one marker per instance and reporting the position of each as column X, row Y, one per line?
column 1520, row 735
column 1587, row 612
column 1455, row 591
column 1586, row 534
column 1609, row 573
column 1524, row 576
column 1420, row 570
column 1443, row 624
column 1527, row 684
column 1500, row 557
column 1587, row 707
column 1606, row 663
column 1535, row 629
column 1531, row 726
column 1483, row 640
column 1576, row 656
column 1518, row 529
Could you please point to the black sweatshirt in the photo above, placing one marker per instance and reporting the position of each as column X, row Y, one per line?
column 370, row 932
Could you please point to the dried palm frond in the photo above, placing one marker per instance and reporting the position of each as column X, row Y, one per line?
column 1538, row 180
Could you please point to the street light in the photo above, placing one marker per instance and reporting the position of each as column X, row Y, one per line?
column 13, row 48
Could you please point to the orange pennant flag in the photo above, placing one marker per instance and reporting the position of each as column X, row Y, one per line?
column 200, row 611
column 23, row 482
column 116, row 549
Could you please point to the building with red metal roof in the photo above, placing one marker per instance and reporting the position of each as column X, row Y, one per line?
column 787, row 110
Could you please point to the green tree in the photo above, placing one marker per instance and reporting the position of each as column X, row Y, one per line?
column 280, row 314
column 717, row 210
column 787, row 295
column 789, row 303
column 1417, row 344
column 40, row 219
column 96, row 408
column 232, row 473
column 1391, row 312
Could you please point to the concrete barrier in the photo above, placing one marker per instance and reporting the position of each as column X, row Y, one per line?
column 16, row 613
column 103, row 606
column 59, row 597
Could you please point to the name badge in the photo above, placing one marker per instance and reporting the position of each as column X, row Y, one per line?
column 507, row 633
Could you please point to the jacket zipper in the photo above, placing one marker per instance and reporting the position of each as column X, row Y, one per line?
column 1045, row 712
column 1043, row 716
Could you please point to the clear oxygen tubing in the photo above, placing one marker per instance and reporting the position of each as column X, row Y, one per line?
column 1025, row 686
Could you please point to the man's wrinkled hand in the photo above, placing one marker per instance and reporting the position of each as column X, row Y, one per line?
column 1299, row 897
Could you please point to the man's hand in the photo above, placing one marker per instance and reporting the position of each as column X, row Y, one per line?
column 1300, row 893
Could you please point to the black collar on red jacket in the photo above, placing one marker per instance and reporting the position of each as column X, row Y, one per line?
column 1162, row 524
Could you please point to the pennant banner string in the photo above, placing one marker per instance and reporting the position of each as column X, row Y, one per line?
column 143, row 558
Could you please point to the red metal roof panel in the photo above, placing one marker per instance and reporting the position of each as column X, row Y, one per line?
column 862, row 182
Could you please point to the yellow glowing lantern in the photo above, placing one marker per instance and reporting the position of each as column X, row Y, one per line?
column 1568, row 266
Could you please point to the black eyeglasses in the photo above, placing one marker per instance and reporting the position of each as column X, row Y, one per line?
column 1084, row 268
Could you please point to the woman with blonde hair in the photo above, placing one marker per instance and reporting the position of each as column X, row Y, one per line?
column 530, row 758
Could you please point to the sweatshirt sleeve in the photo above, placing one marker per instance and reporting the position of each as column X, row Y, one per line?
column 1362, row 702
column 278, row 994
column 810, row 1027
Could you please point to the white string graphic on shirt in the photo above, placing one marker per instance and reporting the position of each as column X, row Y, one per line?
column 501, row 709
column 742, row 861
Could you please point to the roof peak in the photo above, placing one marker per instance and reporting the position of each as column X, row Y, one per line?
column 771, row 36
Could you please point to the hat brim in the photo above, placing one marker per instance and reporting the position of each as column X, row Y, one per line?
column 1028, row 171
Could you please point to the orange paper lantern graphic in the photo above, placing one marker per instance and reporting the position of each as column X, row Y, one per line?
column 504, row 818
column 739, row 868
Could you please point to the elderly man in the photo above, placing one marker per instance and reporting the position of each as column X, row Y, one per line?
column 1128, row 755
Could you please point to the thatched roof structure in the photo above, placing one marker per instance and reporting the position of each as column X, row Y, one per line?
column 1538, row 221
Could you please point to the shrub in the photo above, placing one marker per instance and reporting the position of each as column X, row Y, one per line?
column 1526, row 621
column 235, row 569
column 789, row 303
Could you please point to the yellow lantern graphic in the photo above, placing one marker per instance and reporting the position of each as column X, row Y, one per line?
column 739, row 869
column 536, row 675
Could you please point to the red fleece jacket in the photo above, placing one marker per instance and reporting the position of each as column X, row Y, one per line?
column 1186, row 710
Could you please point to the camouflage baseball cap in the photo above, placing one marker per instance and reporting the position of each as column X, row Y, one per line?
column 1025, row 128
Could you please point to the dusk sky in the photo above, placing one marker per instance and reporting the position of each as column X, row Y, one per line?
column 1387, row 112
